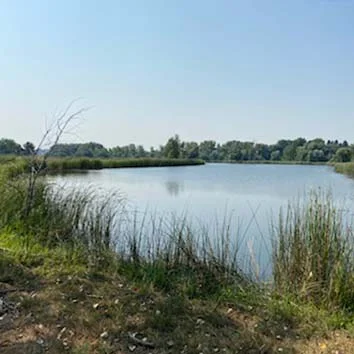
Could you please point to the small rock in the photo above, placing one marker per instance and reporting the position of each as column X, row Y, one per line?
column 116, row 302
column 65, row 343
column 280, row 350
column 158, row 313
column 278, row 337
column 170, row 343
column 132, row 347
column 104, row 335
column 96, row 306
column 200, row 321
column 229, row 310
column 40, row 341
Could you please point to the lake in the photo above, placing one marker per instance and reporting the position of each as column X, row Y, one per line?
column 249, row 196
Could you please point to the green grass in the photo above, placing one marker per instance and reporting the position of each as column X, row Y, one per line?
column 19, row 165
column 55, row 164
column 271, row 162
column 313, row 254
column 346, row 168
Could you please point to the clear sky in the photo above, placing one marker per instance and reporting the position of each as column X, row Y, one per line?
column 205, row 69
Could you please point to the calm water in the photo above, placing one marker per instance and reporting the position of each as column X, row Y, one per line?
column 250, row 195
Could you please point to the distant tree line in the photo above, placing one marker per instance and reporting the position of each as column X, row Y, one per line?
column 300, row 149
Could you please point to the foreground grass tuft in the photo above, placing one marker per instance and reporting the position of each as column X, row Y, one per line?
column 313, row 254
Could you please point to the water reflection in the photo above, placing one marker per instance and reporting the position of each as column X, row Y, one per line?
column 174, row 188
column 70, row 173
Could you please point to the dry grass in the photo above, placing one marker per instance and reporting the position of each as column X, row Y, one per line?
column 72, row 313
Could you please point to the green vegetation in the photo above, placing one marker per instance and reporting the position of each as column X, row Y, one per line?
column 313, row 255
column 88, row 163
column 345, row 168
column 297, row 150
column 88, row 279
column 22, row 164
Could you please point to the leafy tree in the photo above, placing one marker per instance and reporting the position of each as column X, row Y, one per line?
column 262, row 152
column 62, row 150
column 301, row 154
column 275, row 155
column 290, row 150
column 9, row 146
column 316, row 155
column 28, row 148
column 343, row 154
column 172, row 149
column 190, row 150
column 140, row 151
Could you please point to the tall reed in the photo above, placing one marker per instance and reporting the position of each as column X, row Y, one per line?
column 83, row 163
column 73, row 218
column 345, row 168
column 313, row 253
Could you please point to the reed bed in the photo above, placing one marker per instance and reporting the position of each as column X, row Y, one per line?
column 313, row 253
column 54, row 164
column 346, row 168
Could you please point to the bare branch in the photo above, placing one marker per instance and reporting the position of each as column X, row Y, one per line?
column 52, row 135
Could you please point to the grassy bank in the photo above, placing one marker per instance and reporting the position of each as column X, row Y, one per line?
column 88, row 163
column 346, row 168
column 82, row 163
column 83, row 277
column 269, row 162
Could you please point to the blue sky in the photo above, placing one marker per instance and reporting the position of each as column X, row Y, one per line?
column 205, row 69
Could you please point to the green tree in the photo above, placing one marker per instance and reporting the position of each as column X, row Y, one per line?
column 316, row 155
column 62, row 150
column 28, row 148
column 140, row 151
column 172, row 148
column 275, row 155
column 206, row 148
column 9, row 146
column 343, row 154
column 190, row 150
column 290, row 150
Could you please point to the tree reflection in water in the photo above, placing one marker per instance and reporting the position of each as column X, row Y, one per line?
column 174, row 188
